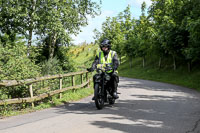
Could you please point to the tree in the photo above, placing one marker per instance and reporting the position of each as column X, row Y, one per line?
column 143, row 34
column 54, row 18
column 191, row 23
column 165, row 15
column 126, row 26
column 60, row 57
column 116, row 29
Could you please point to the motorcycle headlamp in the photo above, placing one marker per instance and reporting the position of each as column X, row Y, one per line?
column 107, row 77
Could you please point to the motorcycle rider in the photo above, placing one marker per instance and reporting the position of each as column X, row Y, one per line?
column 106, row 55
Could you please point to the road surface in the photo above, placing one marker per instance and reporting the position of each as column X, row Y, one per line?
column 143, row 107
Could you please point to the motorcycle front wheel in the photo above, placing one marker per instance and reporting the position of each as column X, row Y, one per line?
column 98, row 95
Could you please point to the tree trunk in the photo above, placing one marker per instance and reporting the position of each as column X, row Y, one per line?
column 52, row 44
column 29, row 41
column 159, row 63
column 174, row 62
column 189, row 66
column 31, row 27
column 143, row 63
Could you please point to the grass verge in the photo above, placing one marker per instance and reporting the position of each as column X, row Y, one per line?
column 68, row 96
column 179, row 77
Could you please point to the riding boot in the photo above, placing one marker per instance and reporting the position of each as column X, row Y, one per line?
column 115, row 95
column 115, row 81
column 115, row 91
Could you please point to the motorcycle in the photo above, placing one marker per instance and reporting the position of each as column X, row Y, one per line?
column 102, row 91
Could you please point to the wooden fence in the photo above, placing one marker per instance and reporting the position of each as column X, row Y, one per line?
column 30, row 82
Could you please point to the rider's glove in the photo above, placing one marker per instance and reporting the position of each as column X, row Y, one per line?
column 115, row 71
column 90, row 69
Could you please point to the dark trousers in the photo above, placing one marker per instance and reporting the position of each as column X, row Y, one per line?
column 113, row 83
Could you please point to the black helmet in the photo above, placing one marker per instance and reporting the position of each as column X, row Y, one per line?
column 105, row 43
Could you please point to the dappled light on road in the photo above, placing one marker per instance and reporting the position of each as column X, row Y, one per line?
column 143, row 106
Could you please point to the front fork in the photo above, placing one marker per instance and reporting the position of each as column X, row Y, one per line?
column 102, row 84
column 99, row 79
column 104, row 92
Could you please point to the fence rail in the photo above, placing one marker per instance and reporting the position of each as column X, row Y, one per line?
column 30, row 82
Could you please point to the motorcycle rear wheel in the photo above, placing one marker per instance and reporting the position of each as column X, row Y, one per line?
column 98, row 95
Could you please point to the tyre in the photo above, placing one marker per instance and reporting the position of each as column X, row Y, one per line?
column 98, row 95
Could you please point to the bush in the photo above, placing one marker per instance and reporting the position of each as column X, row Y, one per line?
column 14, row 62
column 51, row 67
column 15, row 65
column 65, row 61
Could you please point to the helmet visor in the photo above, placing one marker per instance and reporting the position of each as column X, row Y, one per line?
column 104, row 45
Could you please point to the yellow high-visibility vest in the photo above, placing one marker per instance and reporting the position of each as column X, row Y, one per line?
column 102, row 59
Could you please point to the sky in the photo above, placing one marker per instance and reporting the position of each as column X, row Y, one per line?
column 109, row 8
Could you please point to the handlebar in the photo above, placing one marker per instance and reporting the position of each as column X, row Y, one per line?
column 101, row 67
column 104, row 67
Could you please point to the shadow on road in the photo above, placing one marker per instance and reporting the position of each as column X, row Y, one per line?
column 144, row 107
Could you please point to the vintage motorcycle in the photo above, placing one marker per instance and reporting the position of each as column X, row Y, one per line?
column 102, row 90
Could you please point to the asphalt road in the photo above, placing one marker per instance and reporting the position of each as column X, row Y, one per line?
column 143, row 107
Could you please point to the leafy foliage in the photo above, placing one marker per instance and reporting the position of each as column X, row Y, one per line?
column 56, row 19
column 51, row 67
column 52, row 21
column 169, row 30
column 14, row 63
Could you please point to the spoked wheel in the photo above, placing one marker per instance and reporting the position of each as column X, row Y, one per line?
column 98, row 94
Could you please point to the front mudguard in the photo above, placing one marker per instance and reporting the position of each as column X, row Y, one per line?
column 97, row 78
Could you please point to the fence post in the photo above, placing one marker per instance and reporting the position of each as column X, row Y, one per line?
column 73, row 80
column 87, row 78
column 81, row 78
column 31, row 93
column 60, row 86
